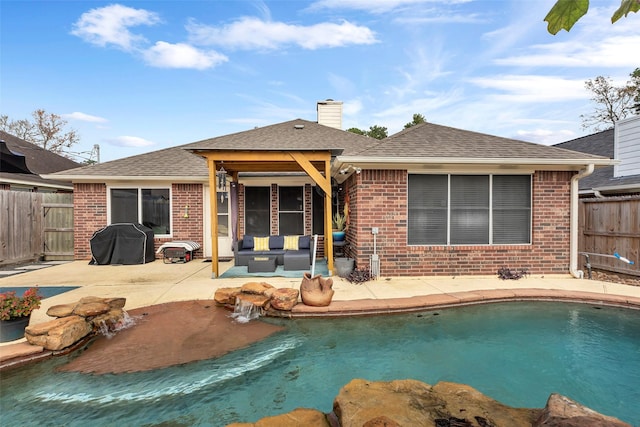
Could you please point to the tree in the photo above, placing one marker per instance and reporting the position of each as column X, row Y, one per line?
column 357, row 131
column 417, row 119
column 375, row 131
column 612, row 103
column 565, row 13
column 635, row 86
column 46, row 131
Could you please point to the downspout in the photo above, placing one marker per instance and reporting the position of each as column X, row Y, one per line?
column 573, row 238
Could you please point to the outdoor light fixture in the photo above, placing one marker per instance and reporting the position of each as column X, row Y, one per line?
column 222, row 179
column 222, row 182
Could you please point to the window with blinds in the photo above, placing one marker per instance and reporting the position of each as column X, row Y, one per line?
column 469, row 209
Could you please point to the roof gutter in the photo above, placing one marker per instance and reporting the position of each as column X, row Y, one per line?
column 573, row 233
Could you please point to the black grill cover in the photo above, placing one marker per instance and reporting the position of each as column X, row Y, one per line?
column 124, row 243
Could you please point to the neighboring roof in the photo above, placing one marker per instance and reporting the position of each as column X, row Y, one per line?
column 600, row 143
column 38, row 161
column 429, row 140
column 421, row 143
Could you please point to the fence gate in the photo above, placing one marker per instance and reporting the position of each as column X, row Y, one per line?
column 57, row 212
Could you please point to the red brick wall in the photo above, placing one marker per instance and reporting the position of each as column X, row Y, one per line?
column 190, row 228
column 378, row 199
column 90, row 215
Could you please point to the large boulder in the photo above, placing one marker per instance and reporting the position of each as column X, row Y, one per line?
column 561, row 411
column 260, row 301
column 74, row 321
column 284, row 298
column 300, row 417
column 414, row 403
column 58, row 333
column 257, row 288
column 226, row 296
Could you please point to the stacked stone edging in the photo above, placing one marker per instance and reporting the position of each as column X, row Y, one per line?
column 75, row 321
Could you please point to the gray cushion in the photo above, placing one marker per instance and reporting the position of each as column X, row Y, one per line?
column 247, row 242
column 276, row 242
column 304, row 242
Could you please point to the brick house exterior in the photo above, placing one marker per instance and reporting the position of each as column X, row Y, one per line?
column 371, row 189
column 373, row 177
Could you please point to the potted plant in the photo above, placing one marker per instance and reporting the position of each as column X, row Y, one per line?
column 340, row 224
column 15, row 313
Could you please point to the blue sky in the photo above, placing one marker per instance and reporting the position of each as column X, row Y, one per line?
column 137, row 76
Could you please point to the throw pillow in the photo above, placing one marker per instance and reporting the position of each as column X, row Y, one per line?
column 261, row 243
column 291, row 243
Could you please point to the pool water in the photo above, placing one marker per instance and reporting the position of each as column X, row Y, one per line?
column 45, row 291
column 517, row 353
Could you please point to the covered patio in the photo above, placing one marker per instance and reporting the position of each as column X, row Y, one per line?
column 221, row 163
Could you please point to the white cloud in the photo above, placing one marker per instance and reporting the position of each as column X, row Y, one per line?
column 129, row 141
column 82, row 117
column 532, row 88
column 181, row 55
column 617, row 51
column 252, row 33
column 377, row 6
column 545, row 136
column 110, row 25
column 440, row 17
column 352, row 107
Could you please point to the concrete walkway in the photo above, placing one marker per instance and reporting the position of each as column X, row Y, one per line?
column 156, row 283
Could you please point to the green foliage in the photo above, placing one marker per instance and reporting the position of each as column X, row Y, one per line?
column 565, row 13
column 357, row 131
column 417, row 119
column 339, row 221
column 375, row 131
column 626, row 6
column 12, row 306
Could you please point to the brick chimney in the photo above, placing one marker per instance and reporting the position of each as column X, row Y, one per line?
column 330, row 113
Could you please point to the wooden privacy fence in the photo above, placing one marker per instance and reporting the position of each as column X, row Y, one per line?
column 35, row 226
column 608, row 226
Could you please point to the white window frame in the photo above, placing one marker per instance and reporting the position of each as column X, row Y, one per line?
column 301, row 212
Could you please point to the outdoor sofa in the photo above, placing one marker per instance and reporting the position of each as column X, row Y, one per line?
column 250, row 247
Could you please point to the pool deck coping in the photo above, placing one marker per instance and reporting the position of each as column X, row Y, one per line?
column 157, row 283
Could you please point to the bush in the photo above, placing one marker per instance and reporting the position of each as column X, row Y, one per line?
column 12, row 306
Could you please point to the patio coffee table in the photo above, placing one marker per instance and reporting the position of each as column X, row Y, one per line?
column 262, row 264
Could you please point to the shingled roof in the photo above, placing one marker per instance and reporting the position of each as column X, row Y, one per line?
column 600, row 143
column 429, row 140
column 298, row 135
column 38, row 160
column 170, row 162
column 424, row 142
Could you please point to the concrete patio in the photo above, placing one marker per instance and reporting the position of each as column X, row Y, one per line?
column 157, row 282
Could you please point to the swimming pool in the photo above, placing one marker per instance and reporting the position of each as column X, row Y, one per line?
column 517, row 353
column 45, row 291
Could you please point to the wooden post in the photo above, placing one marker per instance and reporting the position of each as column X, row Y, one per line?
column 213, row 199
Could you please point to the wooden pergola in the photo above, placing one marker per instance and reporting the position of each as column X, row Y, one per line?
column 316, row 164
